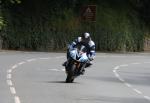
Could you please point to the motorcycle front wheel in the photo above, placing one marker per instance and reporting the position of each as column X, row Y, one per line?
column 70, row 74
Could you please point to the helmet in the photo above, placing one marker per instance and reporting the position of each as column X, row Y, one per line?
column 86, row 37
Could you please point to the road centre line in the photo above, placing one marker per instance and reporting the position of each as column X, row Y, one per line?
column 116, row 68
column 30, row 60
column 15, row 66
column 13, row 90
column 9, row 71
column 127, row 84
column 9, row 82
column 21, row 63
column 17, row 100
column 9, row 75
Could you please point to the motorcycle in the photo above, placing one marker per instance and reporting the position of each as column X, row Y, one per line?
column 76, row 63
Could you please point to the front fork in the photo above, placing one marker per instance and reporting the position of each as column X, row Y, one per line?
column 79, row 66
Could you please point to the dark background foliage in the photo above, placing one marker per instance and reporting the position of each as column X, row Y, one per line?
column 46, row 25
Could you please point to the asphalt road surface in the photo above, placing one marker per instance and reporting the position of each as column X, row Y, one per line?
column 38, row 77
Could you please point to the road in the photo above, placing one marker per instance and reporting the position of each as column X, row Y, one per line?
column 38, row 77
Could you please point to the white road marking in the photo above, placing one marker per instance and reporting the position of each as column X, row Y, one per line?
column 9, row 71
column 17, row 100
column 31, row 60
column 9, row 82
column 147, row 97
column 114, row 71
column 15, row 66
column 117, row 75
column 57, row 70
column 124, row 65
column 122, row 80
column 21, row 63
column 137, row 91
column 12, row 90
column 116, row 68
column 9, row 76
column 44, row 58
column 135, row 63
column 54, row 69
column 127, row 84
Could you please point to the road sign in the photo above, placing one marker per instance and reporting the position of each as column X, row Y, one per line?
column 88, row 13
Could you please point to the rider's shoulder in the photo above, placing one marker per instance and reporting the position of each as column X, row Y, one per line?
column 79, row 39
column 91, row 43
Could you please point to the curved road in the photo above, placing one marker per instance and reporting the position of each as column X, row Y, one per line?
column 38, row 77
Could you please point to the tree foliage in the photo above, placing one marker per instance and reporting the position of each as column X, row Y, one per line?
column 52, row 24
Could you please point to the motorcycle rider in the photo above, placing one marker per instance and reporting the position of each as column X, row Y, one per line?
column 86, row 41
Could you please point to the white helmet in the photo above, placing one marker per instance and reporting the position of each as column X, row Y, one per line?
column 86, row 35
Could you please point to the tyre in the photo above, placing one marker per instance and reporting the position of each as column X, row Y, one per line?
column 70, row 75
column 69, row 79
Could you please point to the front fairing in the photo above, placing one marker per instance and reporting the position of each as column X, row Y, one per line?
column 83, row 57
column 79, row 56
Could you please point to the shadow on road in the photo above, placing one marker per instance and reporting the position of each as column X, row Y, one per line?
column 61, row 82
column 56, row 82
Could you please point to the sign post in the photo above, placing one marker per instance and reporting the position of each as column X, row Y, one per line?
column 88, row 13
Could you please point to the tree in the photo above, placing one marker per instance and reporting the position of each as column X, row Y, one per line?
column 3, row 2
